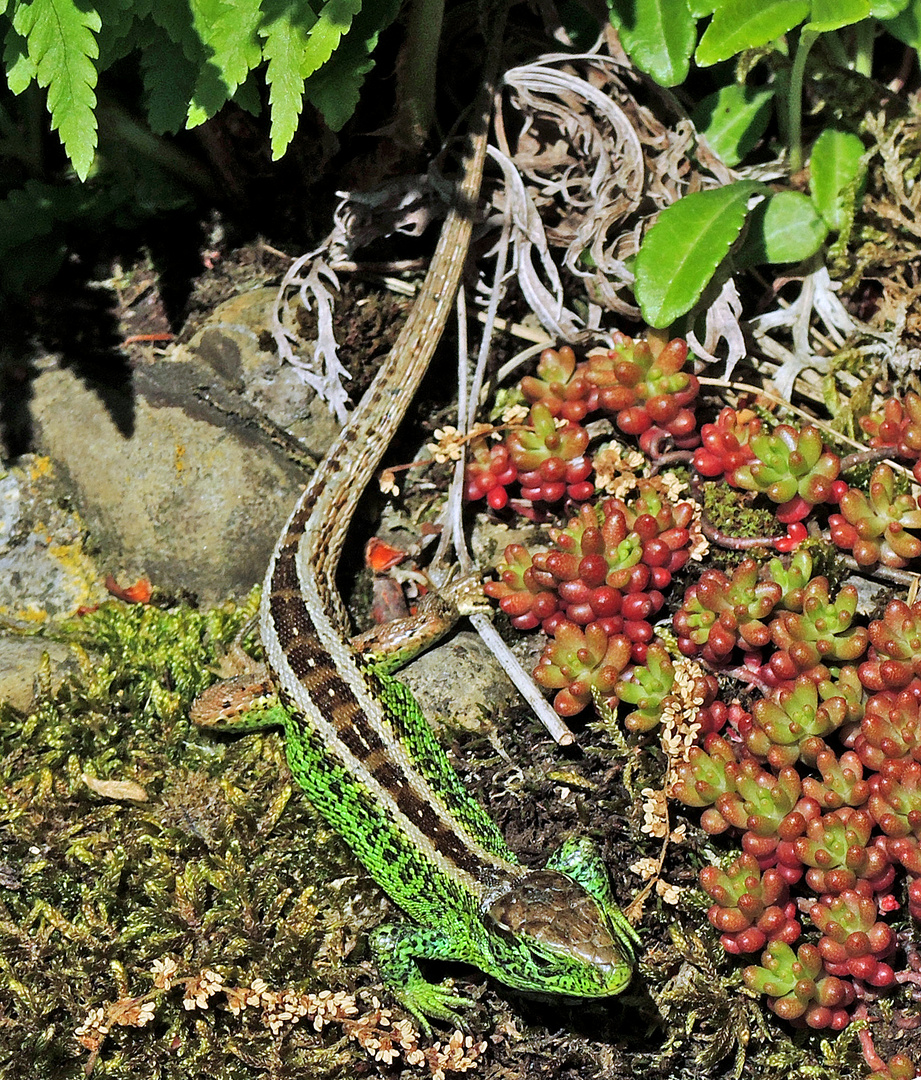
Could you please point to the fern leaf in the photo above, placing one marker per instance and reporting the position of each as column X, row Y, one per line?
column 228, row 33
column 119, row 35
column 169, row 76
column 20, row 67
column 334, row 20
column 335, row 87
column 284, row 49
column 62, row 45
column 175, row 18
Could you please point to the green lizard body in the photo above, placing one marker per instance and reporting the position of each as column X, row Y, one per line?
column 361, row 749
column 579, row 943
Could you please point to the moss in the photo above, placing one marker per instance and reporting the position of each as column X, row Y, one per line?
column 215, row 869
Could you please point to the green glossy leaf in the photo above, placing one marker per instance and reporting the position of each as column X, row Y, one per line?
column 785, row 228
column 62, row 46
column 733, row 120
column 887, row 9
column 682, row 251
column 739, row 25
column 659, row 36
column 835, row 164
column 906, row 27
column 833, row 14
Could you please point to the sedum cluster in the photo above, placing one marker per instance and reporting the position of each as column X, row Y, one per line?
column 819, row 775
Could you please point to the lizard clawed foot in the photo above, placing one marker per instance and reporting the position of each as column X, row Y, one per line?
column 467, row 596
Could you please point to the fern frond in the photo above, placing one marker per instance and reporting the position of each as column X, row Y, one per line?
column 61, row 39
column 284, row 48
column 334, row 20
column 20, row 68
column 334, row 89
column 228, row 33
column 169, row 76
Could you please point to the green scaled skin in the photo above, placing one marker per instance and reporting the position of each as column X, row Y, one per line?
column 555, row 931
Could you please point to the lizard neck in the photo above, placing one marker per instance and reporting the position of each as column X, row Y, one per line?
column 301, row 619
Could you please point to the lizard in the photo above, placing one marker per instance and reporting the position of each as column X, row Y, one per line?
column 359, row 746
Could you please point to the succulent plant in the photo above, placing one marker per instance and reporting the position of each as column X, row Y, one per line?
column 763, row 807
column 876, row 528
column 792, row 467
column 896, row 655
column 725, row 444
column 579, row 661
column 750, row 908
column 489, row 473
column 899, row 426
column 646, row 388
column 719, row 613
column 798, row 986
column 820, row 632
column 792, row 575
column 842, row 782
column 853, row 941
column 705, row 775
column 560, row 385
column 526, row 594
column 663, row 525
column 651, row 687
column 838, row 850
column 895, row 799
column 551, row 460
column 820, row 782
column 791, row 724
column 898, row 1067
column 891, row 727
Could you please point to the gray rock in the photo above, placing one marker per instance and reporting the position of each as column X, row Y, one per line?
column 179, row 478
column 20, row 659
column 459, row 684
column 44, row 569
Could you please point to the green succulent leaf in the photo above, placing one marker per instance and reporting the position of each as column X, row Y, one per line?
column 681, row 252
column 739, row 25
column 836, row 163
column 659, row 36
column 62, row 45
column 733, row 120
column 785, row 228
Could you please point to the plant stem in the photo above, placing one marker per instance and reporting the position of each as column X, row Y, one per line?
column 807, row 39
column 865, row 35
column 416, row 73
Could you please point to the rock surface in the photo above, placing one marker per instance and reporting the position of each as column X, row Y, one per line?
column 179, row 477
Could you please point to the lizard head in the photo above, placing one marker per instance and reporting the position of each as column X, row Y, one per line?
column 562, row 939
